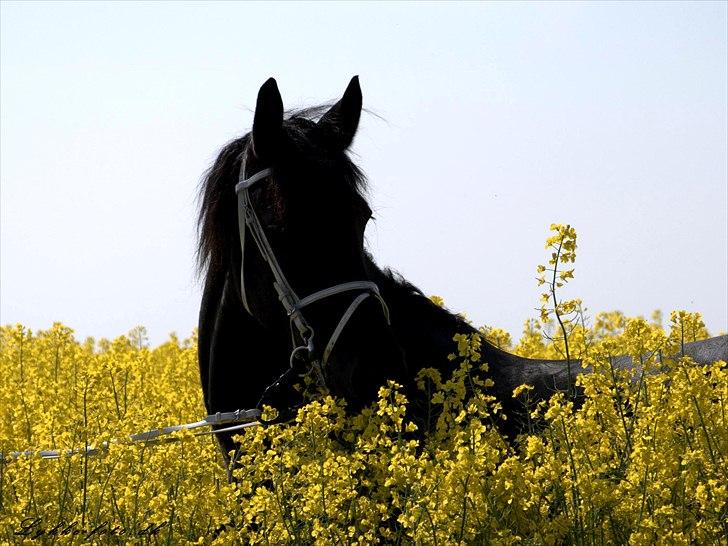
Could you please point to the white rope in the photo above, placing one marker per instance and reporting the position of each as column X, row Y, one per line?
column 243, row 418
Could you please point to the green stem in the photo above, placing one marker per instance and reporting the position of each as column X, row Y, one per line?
column 569, row 389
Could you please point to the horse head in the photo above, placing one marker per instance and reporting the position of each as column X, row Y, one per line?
column 299, row 260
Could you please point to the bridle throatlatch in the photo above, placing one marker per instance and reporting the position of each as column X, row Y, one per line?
column 293, row 305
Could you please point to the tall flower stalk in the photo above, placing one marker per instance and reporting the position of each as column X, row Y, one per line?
column 563, row 251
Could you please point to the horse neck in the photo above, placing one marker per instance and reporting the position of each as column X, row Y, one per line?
column 426, row 331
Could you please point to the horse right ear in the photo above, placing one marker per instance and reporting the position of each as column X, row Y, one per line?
column 268, row 121
column 342, row 120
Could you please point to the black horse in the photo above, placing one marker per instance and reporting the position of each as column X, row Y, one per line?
column 300, row 214
column 312, row 215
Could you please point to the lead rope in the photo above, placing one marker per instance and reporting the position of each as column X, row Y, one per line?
column 239, row 419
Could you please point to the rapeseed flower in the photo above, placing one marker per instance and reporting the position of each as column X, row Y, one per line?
column 640, row 459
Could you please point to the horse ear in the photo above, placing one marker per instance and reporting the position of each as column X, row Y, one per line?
column 341, row 121
column 268, row 121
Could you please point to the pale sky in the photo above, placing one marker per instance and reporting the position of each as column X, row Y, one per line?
column 492, row 121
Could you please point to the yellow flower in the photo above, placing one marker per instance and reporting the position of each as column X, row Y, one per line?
column 520, row 389
column 641, row 460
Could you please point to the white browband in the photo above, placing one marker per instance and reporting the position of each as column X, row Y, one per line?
column 247, row 182
column 247, row 218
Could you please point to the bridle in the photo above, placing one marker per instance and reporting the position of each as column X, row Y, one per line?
column 293, row 305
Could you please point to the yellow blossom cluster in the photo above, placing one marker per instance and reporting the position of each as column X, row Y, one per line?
column 61, row 394
column 639, row 457
column 641, row 460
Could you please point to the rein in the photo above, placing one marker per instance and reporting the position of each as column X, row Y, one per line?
column 293, row 305
column 238, row 420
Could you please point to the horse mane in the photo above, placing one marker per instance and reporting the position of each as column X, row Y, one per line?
column 217, row 221
column 217, row 215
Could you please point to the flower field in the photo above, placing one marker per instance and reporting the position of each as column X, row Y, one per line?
column 642, row 460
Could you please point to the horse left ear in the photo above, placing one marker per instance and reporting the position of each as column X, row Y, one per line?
column 342, row 120
column 268, row 121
